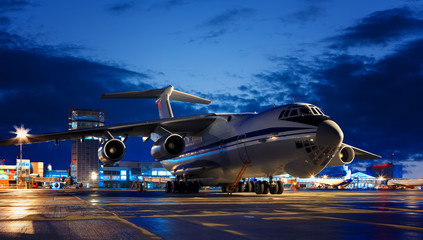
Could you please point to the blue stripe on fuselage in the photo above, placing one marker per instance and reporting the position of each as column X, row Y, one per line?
column 258, row 133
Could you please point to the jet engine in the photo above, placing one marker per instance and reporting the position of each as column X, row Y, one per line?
column 168, row 147
column 345, row 155
column 111, row 151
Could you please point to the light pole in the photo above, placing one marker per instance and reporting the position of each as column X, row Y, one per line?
column 22, row 137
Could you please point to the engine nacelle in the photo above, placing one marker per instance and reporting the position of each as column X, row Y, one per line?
column 111, row 151
column 168, row 147
column 345, row 155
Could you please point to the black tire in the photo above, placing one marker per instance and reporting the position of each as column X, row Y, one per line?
column 241, row 187
column 182, row 187
column 274, row 188
column 168, row 187
column 190, row 187
column 197, row 187
column 259, row 187
column 266, row 187
column 235, row 189
column 248, row 187
column 175, row 187
column 253, row 186
column 280, row 187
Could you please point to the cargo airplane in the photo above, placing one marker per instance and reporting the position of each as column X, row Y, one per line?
column 216, row 149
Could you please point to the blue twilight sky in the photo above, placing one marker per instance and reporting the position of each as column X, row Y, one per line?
column 360, row 61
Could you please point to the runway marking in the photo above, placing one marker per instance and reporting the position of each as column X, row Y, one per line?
column 213, row 224
column 404, row 227
column 234, row 232
column 116, row 217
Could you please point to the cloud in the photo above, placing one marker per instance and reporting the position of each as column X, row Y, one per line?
column 229, row 17
column 121, row 7
column 169, row 4
column 13, row 5
column 309, row 14
column 381, row 27
column 39, row 84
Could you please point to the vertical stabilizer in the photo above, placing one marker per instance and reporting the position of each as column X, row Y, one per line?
column 162, row 97
column 165, row 110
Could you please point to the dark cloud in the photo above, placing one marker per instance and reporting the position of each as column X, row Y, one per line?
column 169, row 4
column 4, row 21
column 39, row 84
column 229, row 17
column 13, row 5
column 374, row 101
column 381, row 27
column 309, row 14
column 122, row 7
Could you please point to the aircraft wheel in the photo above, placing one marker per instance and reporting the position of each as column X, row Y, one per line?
column 259, row 187
column 168, row 187
column 190, row 187
column 196, row 187
column 280, row 187
column 247, row 187
column 175, row 187
column 241, row 187
column 266, row 187
column 274, row 188
column 182, row 187
column 253, row 186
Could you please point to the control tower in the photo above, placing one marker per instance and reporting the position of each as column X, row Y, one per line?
column 85, row 164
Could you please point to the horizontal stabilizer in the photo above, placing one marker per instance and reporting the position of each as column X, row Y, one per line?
column 162, row 97
column 157, row 93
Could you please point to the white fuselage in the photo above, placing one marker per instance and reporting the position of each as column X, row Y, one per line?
column 269, row 145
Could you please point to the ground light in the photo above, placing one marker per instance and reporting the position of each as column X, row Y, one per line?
column 22, row 137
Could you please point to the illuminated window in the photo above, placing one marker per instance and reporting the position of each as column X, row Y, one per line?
column 154, row 173
column 162, row 173
column 123, row 172
column 123, row 178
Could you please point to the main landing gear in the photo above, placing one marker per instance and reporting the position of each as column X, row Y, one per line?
column 259, row 187
column 182, row 187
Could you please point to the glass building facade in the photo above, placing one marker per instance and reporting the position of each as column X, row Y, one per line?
column 85, row 164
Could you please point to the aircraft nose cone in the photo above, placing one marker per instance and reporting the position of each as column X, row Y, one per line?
column 329, row 134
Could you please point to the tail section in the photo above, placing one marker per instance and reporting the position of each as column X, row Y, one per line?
column 162, row 97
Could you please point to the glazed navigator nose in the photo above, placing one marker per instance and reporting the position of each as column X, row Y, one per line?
column 329, row 134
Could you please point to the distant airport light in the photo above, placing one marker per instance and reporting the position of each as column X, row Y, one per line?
column 21, row 133
column 93, row 176
column 381, row 178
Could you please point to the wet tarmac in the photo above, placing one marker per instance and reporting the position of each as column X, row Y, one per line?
column 128, row 214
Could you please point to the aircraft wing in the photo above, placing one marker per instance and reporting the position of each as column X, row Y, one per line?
column 361, row 154
column 190, row 124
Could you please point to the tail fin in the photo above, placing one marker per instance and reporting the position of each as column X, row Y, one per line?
column 162, row 97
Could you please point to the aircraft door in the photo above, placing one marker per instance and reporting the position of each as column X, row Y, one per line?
column 242, row 150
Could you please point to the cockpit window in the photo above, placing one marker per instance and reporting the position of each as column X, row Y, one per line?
column 294, row 112
column 302, row 110
column 286, row 114
column 305, row 111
